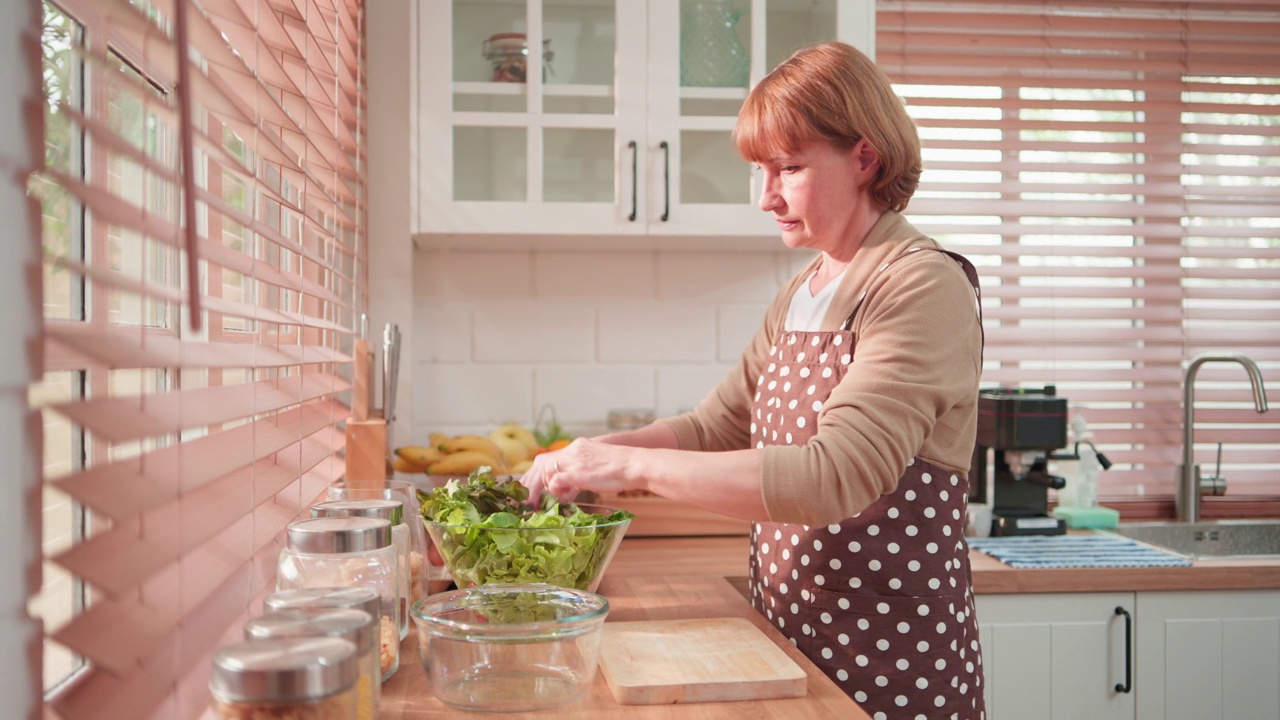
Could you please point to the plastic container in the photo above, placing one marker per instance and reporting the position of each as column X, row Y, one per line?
column 347, row 552
column 510, row 648
column 393, row 512
column 296, row 678
column 357, row 626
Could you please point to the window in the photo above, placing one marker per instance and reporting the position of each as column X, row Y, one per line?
column 183, row 430
column 1111, row 167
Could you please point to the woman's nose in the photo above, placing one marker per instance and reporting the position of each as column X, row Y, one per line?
column 770, row 200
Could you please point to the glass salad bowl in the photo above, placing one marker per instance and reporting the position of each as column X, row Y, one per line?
column 569, row 548
column 510, row 647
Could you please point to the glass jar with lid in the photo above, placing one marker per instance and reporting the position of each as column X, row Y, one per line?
column 392, row 511
column 310, row 678
column 347, row 552
column 359, row 598
column 357, row 626
column 407, row 493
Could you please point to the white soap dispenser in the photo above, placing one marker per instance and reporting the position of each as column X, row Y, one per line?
column 1089, row 467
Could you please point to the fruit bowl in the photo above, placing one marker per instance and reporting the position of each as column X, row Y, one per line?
column 508, row 648
column 573, row 554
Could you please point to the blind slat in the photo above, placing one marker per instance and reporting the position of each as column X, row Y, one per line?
column 123, row 489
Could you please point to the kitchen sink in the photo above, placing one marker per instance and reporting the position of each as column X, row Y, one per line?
column 1210, row 540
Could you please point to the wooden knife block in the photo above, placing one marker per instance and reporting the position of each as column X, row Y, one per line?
column 366, row 453
column 366, row 430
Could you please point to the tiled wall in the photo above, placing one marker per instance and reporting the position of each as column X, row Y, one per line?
column 499, row 334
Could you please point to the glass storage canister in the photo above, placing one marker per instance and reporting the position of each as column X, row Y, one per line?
column 357, row 626
column 508, row 55
column 294, row 678
column 359, row 598
column 347, row 552
column 407, row 493
column 392, row 511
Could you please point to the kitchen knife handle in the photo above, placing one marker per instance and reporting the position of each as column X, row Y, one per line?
column 1127, row 685
column 635, row 159
column 666, row 180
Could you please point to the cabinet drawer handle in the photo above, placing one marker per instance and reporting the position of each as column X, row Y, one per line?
column 1127, row 685
column 635, row 152
column 666, row 180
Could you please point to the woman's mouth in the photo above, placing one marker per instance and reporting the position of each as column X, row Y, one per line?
column 786, row 225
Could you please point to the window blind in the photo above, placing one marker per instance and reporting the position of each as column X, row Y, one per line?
column 204, row 244
column 1112, row 169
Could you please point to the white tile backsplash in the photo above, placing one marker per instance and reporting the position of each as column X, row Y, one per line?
column 657, row 332
column 527, row 331
column 737, row 324
column 499, row 334
column 583, row 394
column 587, row 277
column 717, row 278
column 457, row 397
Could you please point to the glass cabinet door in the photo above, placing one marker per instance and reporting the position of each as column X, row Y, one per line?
column 703, row 57
column 532, row 128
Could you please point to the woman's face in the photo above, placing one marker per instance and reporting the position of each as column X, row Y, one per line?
column 818, row 195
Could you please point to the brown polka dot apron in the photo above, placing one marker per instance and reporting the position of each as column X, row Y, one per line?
column 881, row 602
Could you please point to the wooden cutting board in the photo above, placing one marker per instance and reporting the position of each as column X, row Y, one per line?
column 698, row 660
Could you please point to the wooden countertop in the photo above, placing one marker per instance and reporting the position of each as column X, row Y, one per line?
column 727, row 557
column 640, row 595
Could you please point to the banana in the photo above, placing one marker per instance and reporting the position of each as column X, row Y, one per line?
column 401, row 465
column 463, row 462
column 458, row 443
column 419, row 456
column 522, row 466
column 435, row 438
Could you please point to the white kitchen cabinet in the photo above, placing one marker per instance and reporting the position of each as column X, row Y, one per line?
column 1055, row 657
column 609, row 139
column 1195, row 655
column 1209, row 655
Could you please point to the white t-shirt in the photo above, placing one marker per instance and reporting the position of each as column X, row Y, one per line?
column 807, row 309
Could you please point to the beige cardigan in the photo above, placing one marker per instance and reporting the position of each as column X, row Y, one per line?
column 911, row 390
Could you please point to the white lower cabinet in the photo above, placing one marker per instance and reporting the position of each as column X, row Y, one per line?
column 1195, row 655
column 1206, row 655
column 1055, row 657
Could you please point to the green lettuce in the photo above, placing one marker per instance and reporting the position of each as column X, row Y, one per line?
column 488, row 532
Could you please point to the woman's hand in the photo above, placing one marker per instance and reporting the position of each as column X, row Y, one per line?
column 586, row 464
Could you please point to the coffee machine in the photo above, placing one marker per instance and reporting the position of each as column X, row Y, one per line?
column 1019, row 431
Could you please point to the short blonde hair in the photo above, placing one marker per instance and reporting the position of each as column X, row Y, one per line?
column 832, row 92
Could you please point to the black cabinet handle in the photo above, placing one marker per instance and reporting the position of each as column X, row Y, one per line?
column 666, row 180
column 635, row 153
column 1127, row 685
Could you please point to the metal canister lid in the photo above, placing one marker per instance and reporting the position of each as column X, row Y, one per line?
column 360, row 598
column 392, row 510
column 346, row 623
column 629, row 418
column 328, row 535
column 285, row 669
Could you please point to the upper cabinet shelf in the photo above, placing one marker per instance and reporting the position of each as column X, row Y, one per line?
column 624, row 126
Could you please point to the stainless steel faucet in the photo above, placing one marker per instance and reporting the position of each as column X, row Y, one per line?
column 1187, row 501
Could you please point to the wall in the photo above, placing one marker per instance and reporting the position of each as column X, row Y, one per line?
column 498, row 334
column 20, row 294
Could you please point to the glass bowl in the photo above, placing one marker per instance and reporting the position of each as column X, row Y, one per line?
column 570, row 556
column 509, row 647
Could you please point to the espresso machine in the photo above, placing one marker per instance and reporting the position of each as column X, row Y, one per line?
column 1019, row 432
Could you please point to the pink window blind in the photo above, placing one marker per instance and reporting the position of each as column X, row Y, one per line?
column 210, row 316
column 1111, row 167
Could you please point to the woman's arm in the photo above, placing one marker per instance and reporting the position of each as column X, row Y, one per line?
column 727, row 483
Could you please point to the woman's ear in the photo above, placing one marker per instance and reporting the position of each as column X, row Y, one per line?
column 868, row 158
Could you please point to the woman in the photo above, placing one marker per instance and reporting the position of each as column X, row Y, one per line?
column 846, row 432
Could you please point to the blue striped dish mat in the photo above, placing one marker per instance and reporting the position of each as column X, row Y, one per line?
column 1074, row 551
